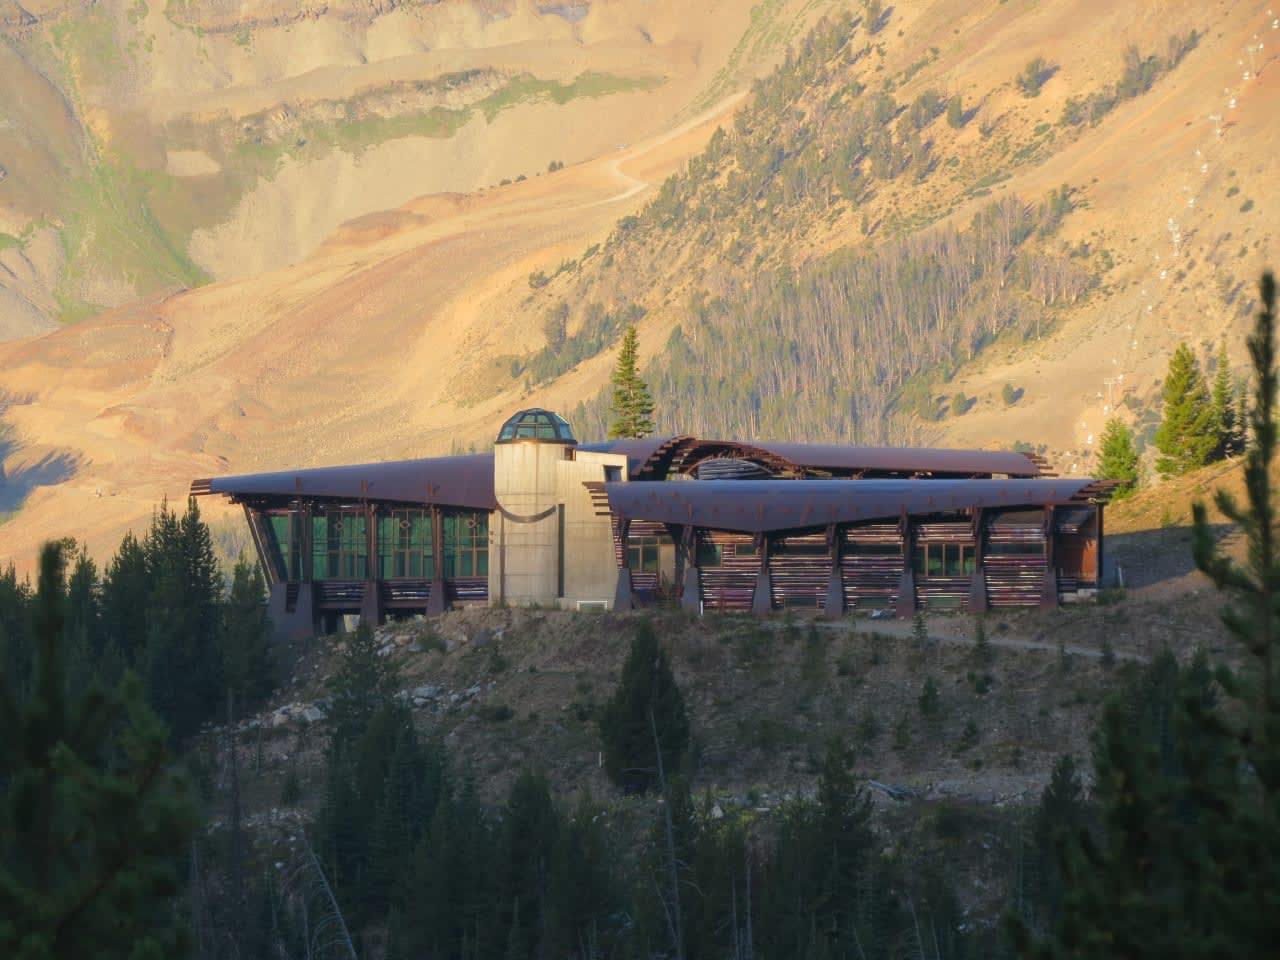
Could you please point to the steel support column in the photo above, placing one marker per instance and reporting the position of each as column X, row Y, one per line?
column 833, row 607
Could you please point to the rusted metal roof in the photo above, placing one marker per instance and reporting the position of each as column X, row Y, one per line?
column 910, row 460
column 651, row 458
column 646, row 459
column 758, row 506
column 464, row 481
column 467, row 481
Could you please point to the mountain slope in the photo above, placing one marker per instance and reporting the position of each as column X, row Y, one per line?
column 412, row 331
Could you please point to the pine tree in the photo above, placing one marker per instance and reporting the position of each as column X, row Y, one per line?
column 182, row 664
column 1188, row 435
column 1224, row 408
column 647, row 697
column 631, row 412
column 361, row 685
column 93, row 819
column 530, row 829
column 125, row 589
column 1186, row 860
column 1118, row 458
column 247, row 662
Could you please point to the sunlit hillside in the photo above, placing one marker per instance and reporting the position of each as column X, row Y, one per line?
column 302, row 229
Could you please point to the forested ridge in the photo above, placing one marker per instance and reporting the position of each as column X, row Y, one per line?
column 808, row 253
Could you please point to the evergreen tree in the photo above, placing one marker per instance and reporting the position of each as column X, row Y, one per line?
column 530, row 831
column 582, row 893
column 818, row 901
column 362, row 683
column 1118, row 458
column 126, row 586
column 247, row 662
column 631, row 412
column 1186, row 861
column 15, row 629
column 1188, row 435
column 1224, row 408
column 647, row 700
column 93, row 819
column 182, row 665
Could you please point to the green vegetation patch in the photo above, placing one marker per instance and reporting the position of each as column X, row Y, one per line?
column 527, row 88
column 110, row 228
column 89, row 43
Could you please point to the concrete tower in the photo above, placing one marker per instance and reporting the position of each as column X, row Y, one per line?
column 526, row 562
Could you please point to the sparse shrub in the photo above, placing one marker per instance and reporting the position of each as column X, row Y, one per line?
column 494, row 712
column 815, row 658
column 538, row 279
column 902, row 733
column 982, row 682
column 968, row 736
column 929, row 701
column 845, row 665
column 983, row 651
column 919, row 627
column 1008, row 395
column 868, row 727
column 1032, row 77
column 959, row 403
column 429, row 641
column 291, row 790
column 497, row 662
column 955, row 113
column 1108, row 658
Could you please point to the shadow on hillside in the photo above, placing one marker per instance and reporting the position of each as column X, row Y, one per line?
column 1148, row 557
column 16, row 484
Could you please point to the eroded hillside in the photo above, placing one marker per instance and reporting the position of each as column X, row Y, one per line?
column 158, row 146
column 1122, row 154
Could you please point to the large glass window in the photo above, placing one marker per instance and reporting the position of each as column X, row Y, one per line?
column 284, row 540
column 466, row 545
column 709, row 554
column 404, row 545
column 642, row 554
column 339, row 545
column 942, row 559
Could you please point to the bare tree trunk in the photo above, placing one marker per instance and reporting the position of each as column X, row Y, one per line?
column 676, row 922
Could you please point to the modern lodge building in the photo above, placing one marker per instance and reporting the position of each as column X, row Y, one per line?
column 708, row 524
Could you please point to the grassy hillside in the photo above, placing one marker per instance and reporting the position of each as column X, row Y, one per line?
column 168, row 126
column 830, row 221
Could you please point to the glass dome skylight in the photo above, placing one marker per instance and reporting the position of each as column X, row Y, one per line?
column 537, row 425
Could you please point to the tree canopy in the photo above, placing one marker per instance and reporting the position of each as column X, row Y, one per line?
column 93, row 818
column 1118, row 457
column 646, row 706
column 1188, row 435
column 631, row 412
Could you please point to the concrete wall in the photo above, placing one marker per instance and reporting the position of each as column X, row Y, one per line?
column 525, row 554
column 527, row 550
column 590, row 566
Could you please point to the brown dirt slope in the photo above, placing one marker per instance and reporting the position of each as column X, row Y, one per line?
column 389, row 339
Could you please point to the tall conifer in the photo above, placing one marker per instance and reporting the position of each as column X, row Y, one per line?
column 1118, row 457
column 631, row 412
column 93, row 819
column 647, row 697
column 1186, row 860
column 1224, row 407
column 1188, row 435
